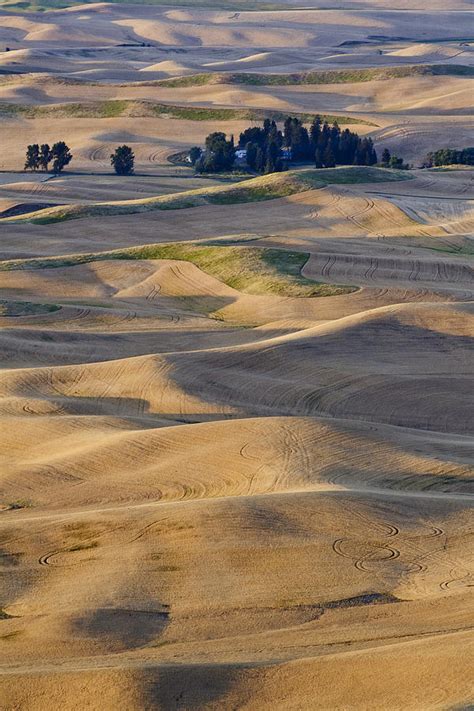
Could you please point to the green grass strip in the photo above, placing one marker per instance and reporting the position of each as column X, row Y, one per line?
column 266, row 187
column 251, row 270
column 317, row 77
column 116, row 108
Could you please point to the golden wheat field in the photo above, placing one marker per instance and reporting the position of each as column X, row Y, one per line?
column 236, row 413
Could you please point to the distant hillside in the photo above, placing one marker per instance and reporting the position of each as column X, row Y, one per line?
column 139, row 109
column 231, row 5
column 342, row 76
column 265, row 187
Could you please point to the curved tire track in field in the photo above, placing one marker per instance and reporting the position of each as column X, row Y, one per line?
column 377, row 553
column 393, row 270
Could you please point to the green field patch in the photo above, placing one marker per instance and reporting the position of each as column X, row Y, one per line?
column 265, row 187
column 253, row 270
column 115, row 108
column 336, row 76
column 250, row 270
column 25, row 308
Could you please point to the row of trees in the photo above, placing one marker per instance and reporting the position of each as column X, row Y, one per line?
column 327, row 145
column 268, row 149
column 264, row 146
column 40, row 157
column 450, row 156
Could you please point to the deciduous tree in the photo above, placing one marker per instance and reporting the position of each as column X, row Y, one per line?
column 61, row 156
column 45, row 156
column 32, row 161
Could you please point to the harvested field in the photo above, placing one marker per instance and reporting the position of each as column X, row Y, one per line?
column 236, row 411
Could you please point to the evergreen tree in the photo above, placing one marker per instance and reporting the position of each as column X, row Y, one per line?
column 360, row 156
column 296, row 137
column 371, row 152
column 272, row 162
column 315, row 132
column 301, row 148
column 325, row 134
column 328, row 158
column 259, row 160
column 346, row 148
column 386, row 157
column 354, row 145
column 366, row 154
column 123, row 160
column 288, row 131
column 274, row 135
column 334, row 140
column 267, row 125
column 318, row 158
column 251, row 149
column 61, row 156
column 32, row 161
column 228, row 154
